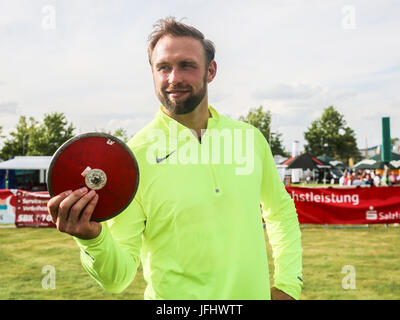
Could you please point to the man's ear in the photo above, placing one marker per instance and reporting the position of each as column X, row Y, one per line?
column 211, row 71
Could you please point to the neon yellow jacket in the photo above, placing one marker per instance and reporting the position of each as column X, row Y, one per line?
column 195, row 222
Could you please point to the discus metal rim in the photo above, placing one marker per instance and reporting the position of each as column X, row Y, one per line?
column 94, row 135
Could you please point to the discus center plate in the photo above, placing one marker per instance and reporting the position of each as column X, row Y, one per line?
column 96, row 179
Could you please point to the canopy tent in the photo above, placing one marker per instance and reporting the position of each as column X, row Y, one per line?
column 279, row 159
column 332, row 161
column 376, row 164
column 8, row 181
column 26, row 163
column 378, row 157
column 305, row 161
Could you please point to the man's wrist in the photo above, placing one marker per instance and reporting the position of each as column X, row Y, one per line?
column 93, row 241
column 277, row 294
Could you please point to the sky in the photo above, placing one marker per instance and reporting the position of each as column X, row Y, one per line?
column 88, row 59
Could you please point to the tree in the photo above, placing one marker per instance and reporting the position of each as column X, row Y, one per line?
column 1, row 133
column 329, row 135
column 275, row 143
column 17, row 145
column 48, row 136
column 37, row 139
column 119, row 133
column 262, row 120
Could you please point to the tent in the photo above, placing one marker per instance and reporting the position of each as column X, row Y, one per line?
column 26, row 163
column 378, row 157
column 279, row 159
column 376, row 164
column 305, row 161
column 332, row 161
column 40, row 163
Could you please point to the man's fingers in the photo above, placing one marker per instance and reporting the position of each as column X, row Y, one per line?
column 87, row 213
column 77, row 209
column 54, row 203
column 67, row 203
column 71, row 211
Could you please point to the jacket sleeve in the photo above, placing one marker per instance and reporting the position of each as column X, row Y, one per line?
column 283, row 228
column 113, row 257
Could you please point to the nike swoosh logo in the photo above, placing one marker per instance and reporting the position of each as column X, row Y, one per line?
column 158, row 160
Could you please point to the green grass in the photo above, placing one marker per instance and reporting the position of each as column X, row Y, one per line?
column 23, row 254
column 374, row 253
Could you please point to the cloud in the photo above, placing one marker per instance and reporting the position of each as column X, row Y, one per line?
column 292, row 57
column 287, row 92
column 8, row 107
column 88, row 122
column 302, row 91
column 308, row 99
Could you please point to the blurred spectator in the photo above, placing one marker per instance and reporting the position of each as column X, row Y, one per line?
column 384, row 180
column 349, row 179
column 356, row 179
column 372, row 173
column 342, row 180
column 368, row 180
column 392, row 178
column 367, row 177
column 377, row 179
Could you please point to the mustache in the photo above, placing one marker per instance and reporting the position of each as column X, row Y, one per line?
column 177, row 87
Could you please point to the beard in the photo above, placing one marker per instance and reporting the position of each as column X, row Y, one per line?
column 185, row 105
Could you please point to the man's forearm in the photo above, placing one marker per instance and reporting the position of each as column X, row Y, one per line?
column 285, row 240
column 109, row 264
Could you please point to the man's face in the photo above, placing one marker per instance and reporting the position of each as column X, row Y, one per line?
column 179, row 73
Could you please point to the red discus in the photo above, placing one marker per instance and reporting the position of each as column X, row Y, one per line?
column 100, row 162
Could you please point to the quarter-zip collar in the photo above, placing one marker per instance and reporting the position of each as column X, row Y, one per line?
column 170, row 122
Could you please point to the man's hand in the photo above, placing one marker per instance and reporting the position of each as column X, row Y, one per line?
column 277, row 294
column 71, row 213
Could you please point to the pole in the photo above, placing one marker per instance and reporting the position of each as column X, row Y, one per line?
column 386, row 154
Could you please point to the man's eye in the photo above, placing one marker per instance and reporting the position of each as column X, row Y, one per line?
column 187, row 66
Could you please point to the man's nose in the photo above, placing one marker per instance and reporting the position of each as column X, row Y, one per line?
column 175, row 76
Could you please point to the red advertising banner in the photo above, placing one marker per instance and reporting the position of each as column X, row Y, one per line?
column 362, row 205
column 32, row 210
column 8, row 202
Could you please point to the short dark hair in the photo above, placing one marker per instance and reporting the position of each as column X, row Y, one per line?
column 170, row 27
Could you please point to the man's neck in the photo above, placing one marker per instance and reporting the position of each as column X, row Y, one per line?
column 196, row 120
